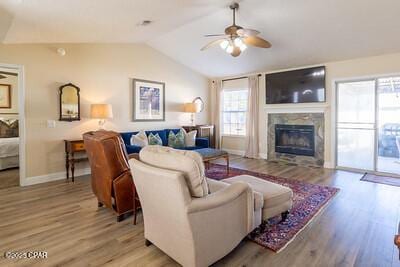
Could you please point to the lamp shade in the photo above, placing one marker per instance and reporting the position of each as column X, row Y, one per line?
column 101, row 111
column 192, row 107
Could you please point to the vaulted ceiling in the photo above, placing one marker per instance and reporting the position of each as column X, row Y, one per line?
column 302, row 32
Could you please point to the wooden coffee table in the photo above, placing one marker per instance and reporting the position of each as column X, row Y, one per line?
column 210, row 154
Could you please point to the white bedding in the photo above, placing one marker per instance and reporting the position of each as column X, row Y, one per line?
column 9, row 147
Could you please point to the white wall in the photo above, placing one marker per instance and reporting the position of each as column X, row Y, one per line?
column 104, row 74
column 341, row 70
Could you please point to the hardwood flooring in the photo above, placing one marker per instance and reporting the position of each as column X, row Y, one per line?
column 355, row 229
column 9, row 178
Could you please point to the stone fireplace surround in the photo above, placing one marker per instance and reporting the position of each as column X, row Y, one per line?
column 315, row 119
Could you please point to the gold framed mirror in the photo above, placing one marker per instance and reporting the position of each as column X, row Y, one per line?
column 70, row 109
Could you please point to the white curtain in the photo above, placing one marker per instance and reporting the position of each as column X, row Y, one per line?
column 252, row 138
column 216, row 89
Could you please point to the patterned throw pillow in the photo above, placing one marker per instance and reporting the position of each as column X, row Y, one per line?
column 8, row 128
column 176, row 140
column 155, row 139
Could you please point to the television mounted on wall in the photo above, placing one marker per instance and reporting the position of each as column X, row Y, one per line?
column 296, row 86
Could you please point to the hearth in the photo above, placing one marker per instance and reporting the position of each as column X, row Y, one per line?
column 295, row 139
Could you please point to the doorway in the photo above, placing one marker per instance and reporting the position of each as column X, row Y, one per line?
column 368, row 125
column 12, row 134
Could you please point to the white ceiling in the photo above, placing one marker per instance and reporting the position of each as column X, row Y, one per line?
column 98, row 21
column 302, row 32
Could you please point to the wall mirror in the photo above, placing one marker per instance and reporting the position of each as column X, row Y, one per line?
column 70, row 103
column 199, row 101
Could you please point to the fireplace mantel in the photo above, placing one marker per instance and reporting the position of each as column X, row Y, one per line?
column 297, row 108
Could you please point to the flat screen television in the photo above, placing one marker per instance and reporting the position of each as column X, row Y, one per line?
column 297, row 86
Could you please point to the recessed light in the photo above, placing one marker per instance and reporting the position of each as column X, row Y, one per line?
column 145, row 23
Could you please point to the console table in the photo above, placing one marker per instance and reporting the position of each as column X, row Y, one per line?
column 72, row 147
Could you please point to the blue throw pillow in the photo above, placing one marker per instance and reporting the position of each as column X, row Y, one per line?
column 155, row 139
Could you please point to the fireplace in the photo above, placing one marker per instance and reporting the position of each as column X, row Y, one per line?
column 295, row 139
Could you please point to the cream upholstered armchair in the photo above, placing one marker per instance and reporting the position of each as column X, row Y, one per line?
column 181, row 217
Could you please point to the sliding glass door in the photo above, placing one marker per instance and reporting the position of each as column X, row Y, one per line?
column 388, row 92
column 356, row 125
column 368, row 125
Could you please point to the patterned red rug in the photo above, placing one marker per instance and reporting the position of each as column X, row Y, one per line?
column 308, row 200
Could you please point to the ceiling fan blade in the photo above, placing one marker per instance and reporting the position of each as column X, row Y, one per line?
column 247, row 32
column 236, row 52
column 214, row 35
column 256, row 41
column 213, row 43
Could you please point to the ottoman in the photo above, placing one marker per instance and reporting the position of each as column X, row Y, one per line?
column 278, row 199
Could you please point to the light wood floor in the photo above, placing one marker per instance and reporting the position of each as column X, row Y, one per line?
column 355, row 229
column 9, row 178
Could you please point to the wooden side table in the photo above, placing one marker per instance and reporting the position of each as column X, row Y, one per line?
column 72, row 147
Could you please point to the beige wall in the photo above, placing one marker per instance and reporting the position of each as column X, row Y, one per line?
column 343, row 70
column 13, row 81
column 104, row 73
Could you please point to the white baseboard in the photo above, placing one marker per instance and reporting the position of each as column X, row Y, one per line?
column 328, row 165
column 52, row 177
column 263, row 155
column 79, row 172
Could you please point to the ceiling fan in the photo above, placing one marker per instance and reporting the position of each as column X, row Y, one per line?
column 236, row 38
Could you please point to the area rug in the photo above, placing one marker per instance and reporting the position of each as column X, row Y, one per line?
column 381, row 179
column 308, row 200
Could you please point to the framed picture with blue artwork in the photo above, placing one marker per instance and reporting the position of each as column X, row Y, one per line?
column 148, row 100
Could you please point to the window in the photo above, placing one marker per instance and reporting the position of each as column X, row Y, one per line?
column 234, row 112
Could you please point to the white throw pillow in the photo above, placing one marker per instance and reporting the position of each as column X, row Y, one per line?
column 139, row 139
column 190, row 138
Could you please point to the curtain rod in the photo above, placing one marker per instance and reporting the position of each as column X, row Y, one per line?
column 238, row 78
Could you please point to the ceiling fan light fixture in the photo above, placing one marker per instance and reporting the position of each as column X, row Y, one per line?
column 236, row 39
column 238, row 42
column 229, row 49
column 224, row 44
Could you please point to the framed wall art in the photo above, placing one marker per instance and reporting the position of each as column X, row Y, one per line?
column 5, row 96
column 148, row 100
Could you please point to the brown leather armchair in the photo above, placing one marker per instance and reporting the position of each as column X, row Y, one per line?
column 111, row 175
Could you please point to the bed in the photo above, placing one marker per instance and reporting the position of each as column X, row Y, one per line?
column 9, row 144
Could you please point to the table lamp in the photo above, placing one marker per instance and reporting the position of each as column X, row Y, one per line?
column 101, row 112
column 192, row 108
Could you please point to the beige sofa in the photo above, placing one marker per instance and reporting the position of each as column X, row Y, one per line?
column 193, row 221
